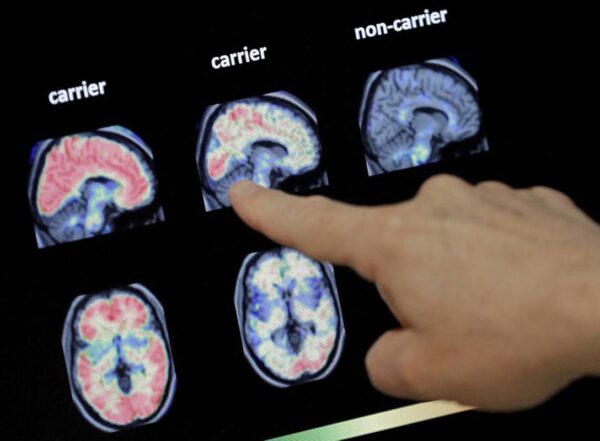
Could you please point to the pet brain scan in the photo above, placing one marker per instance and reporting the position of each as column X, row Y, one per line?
column 270, row 139
column 420, row 114
column 289, row 316
column 90, row 184
column 118, row 358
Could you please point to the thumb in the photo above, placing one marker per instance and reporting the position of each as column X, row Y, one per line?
column 407, row 365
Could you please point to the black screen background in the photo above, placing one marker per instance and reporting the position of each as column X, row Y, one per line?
column 159, row 83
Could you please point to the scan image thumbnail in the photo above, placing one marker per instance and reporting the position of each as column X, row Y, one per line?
column 91, row 183
column 118, row 358
column 270, row 139
column 420, row 114
column 289, row 316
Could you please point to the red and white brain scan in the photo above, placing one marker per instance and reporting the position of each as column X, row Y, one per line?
column 419, row 114
column 270, row 139
column 118, row 358
column 91, row 183
column 289, row 317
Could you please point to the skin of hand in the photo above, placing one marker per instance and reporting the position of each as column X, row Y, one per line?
column 497, row 289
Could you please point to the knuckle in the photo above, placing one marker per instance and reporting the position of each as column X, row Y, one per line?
column 550, row 193
column 542, row 188
column 493, row 185
column 442, row 183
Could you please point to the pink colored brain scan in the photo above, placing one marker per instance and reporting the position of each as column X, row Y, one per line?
column 270, row 139
column 289, row 317
column 90, row 184
column 118, row 358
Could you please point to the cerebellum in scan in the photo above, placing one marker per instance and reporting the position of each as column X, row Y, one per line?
column 90, row 184
column 270, row 139
column 118, row 358
column 420, row 114
column 289, row 317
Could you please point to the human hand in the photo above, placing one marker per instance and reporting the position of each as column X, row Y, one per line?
column 498, row 290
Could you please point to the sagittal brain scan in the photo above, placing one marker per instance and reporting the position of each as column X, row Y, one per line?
column 289, row 316
column 270, row 139
column 118, row 358
column 90, row 184
column 419, row 114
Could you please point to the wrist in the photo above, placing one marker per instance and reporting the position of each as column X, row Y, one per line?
column 589, row 311
column 593, row 367
column 578, row 307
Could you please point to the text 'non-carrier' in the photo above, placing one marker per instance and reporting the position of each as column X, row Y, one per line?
column 423, row 20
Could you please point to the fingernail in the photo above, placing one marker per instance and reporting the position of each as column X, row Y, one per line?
column 244, row 188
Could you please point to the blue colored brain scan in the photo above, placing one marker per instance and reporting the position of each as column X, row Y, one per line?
column 420, row 114
column 270, row 139
column 289, row 317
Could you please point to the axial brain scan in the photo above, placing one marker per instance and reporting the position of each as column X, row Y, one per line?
column 419, row 114
column 270, row 139
column 90, row 184
column 118, row 358
column 289, row 316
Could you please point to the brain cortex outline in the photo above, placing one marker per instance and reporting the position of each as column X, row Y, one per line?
column 91, row 183
column 270, row 139
column 420, row 114
column 289, row 316
column 118, row 358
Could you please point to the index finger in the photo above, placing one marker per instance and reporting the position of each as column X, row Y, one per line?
column 319, row 227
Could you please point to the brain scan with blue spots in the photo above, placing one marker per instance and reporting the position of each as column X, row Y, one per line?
column 420, row 114
column 270, row 139
column 90, row 184
column 289, row 316
column 118, row 358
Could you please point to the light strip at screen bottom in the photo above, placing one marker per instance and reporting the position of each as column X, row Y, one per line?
column 377, row 422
